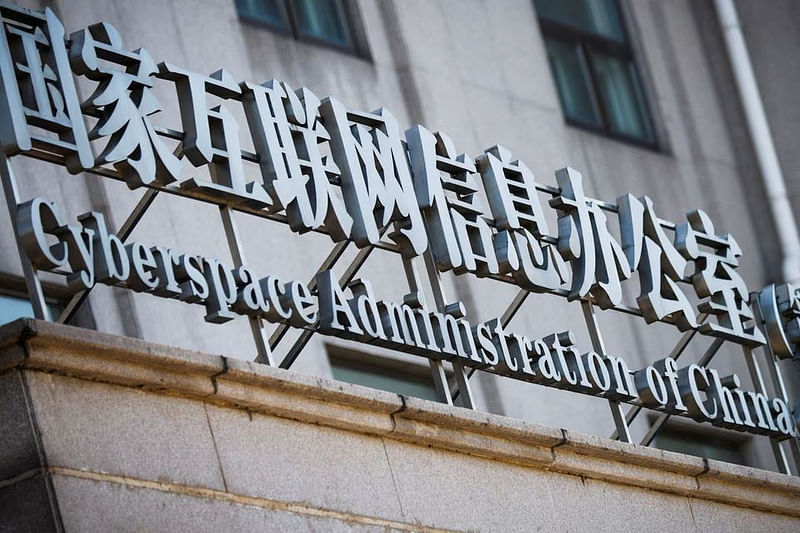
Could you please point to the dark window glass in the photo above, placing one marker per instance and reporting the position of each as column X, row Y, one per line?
column 324, row 21
column 573, row 82
column 321, row 19
column 600, row 17
column 622, row 96
column 592, row 63
column 700, row 445
column 267, row 11
column 381, row 373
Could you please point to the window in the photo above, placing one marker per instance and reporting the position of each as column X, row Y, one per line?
column 391, row 375
column 709, row 446
column 595, row 74
column 14, row 307
column 329, row 22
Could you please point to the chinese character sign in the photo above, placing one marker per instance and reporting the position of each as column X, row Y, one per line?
column 357, row 176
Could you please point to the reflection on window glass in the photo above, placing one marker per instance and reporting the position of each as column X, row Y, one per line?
column 592, row 62
column 572, row 82
column 407, row 382
column 324, row 21
column 594, row 16
column 321, row 19
column 709, row 447
column 12, row 308
column 622, row 96
column 269, row 11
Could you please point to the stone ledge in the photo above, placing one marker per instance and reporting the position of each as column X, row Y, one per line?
column 99, row 356
column 85, row 354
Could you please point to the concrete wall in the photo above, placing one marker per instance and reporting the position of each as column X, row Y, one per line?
column 478, row 71
column 102, row 433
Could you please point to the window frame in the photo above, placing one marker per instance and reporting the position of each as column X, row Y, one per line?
column 356, row 43
column 54, row 294
column 397, row 364
column 684, row 429
column 13, row 291
column 586, row 41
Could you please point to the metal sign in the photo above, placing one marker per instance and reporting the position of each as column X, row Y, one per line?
column 355, row 176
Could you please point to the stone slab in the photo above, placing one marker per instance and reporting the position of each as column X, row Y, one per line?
column 107, row 428
column 17, row 435
column 270, row 457
column 89, row 505
column 26, row 506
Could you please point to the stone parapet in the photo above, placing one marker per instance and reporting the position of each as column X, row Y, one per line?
column 101, row 432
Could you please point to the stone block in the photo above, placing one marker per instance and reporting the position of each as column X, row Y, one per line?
column 469, row 431
column 26, row 506
column 600, row 458
column 713, row 516
column 589, row 505
column 457, row 491
column 268, row 457
column 107, row 428
column 18, row 449
column 89, row 505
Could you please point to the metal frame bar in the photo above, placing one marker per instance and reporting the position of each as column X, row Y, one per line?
column 37, row 297
column 774, row 370
column 252, row 157
column 352, row 269
column 505, row 319
column 623, row 431
column 437, row 367
column 124, row 232
column 264, row 354
column 32, row 281
column 758, row 381
column 675, row 353
column 663, row 417
column 333, row 257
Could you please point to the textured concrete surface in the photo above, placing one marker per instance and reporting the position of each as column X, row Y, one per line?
column 104, row 506
column 114, row 455
column 17, row 433
column 124, row 432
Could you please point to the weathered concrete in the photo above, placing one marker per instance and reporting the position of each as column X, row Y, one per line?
column 107, row 433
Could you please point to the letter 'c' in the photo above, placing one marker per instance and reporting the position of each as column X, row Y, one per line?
column 36, row 219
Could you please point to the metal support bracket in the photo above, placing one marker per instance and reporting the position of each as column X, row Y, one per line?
column 124, row 232
column 597, row 343
column 32, row 281
column 264, row 355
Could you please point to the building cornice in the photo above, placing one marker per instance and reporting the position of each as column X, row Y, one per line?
column 84, row 354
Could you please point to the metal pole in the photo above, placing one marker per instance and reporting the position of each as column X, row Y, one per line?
column 774, row 369
column 346, row 278
column 32, row 281
column 437, row 368
column 505, row 319
column 597, row 343
column 777, row 380
column 663, row 417
column 124, row 232
column 758, row 382
column 758, row 126
column 237, row 253
column 676, row 352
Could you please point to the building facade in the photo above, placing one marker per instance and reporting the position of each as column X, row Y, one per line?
column 640, row 97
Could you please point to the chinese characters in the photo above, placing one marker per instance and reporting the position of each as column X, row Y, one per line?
column 355, row 175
